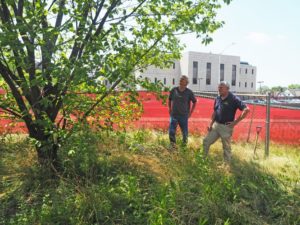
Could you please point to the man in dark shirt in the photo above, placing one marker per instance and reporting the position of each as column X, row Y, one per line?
column 223, row 119
column 179, row 109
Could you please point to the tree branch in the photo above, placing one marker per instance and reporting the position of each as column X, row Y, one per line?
column 25, row 112
column 103, row 20
column 86, row 114
column 11, row 112
column 76, row 45
column 117, row 82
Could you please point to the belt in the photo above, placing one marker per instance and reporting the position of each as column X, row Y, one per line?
column 224, row 123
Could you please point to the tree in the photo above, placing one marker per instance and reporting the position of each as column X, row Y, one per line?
column 53, row 49
column 294, row 86
column 277, row 90
column 264, row 89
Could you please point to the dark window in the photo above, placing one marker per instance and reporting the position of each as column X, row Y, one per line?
column 208, row 73
column 222, row 68
column 165, row 81
column 195, row 72
column 246, row 71
column 252, row 71
column 239, row 84
column 173, row 65
column 155, row 80
column 245, row 84
column 233, row 81
column 251, row 84
column 173, row 81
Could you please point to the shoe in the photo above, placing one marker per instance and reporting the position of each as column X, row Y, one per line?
column 172, row 147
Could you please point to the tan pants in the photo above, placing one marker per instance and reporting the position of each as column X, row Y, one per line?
column 219, row 131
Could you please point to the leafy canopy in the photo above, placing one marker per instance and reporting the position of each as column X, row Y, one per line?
column 50, row 50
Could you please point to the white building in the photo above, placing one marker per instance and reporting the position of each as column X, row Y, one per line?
column 205, row 71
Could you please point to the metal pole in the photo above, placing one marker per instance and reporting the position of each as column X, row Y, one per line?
column 252, row 116
column 267, row 145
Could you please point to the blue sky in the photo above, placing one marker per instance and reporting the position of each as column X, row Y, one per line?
column 265, row 33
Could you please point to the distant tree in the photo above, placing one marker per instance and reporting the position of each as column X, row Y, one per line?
column 277, row 90
column 294, row 86
column 264, row 89
column 50, row 50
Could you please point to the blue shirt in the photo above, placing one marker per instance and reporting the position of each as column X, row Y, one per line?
column 225, row 109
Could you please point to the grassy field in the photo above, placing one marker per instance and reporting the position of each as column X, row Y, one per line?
column 132, row 178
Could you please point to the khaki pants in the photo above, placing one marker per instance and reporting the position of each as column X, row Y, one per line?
column 219, row 131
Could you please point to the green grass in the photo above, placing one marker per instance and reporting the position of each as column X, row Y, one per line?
column 132, row 178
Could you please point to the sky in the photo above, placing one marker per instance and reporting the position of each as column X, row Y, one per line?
column 264, row 33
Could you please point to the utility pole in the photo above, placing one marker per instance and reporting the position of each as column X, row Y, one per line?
column 260, row 82
column 219, row 57
column 199, row 83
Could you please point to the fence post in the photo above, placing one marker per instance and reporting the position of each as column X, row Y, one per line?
column 267, row 141
column 250, row 125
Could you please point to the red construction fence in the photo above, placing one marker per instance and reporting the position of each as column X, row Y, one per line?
column 284, row 123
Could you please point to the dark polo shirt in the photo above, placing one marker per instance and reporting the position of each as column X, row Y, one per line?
column 225, row 109
column 181, row 101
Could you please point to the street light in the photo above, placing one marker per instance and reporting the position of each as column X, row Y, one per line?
column 219, row 56
column 199, row 83
column 260, row 82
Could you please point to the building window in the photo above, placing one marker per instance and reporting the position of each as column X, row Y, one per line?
column 239, row 84
column 173, row 81
column 252, row 71
column 245, row 84
column 195, row 72
column 240, row 70
column 155, row 80
column 222, row 67
column 233, row 81
column 165, row 81
column 251, row 84
column 246, row 71
column 208, row 73
column 173, row 65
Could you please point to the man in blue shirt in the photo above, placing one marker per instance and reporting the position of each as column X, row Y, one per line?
column 180, row 99
column 223, row 119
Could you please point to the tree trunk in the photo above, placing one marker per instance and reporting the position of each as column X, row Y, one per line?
column 48, row 158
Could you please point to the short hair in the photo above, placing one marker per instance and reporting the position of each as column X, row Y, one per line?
column 185, row 78
column 225, row 83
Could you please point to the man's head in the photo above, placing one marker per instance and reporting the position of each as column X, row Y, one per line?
column 184, row 80
column 223, row 88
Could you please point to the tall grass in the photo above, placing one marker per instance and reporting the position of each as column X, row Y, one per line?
column 133, row 178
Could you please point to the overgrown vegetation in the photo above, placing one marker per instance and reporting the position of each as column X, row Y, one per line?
column 132, row 178
column 51, row 50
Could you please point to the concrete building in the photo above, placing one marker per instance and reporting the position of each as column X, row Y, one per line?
column 205, row 71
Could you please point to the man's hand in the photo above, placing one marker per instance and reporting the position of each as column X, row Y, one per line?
column 240, row 118
column 231, row 124
column 209, row 128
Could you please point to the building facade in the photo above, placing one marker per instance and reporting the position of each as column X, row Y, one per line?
column 205, row 71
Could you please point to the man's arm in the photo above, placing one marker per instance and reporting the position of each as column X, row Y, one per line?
column 192, row 109
column 170, row 102
column 241, row 117
column 212, row 121
column 170, row 106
